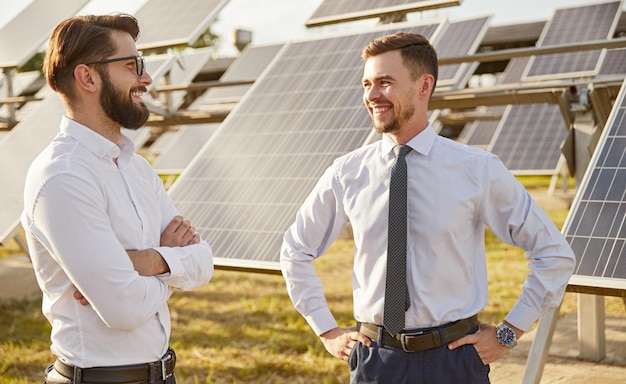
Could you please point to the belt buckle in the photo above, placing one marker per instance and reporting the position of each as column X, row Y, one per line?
column 164, row 360
column 403, row 337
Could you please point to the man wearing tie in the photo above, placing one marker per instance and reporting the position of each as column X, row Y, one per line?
column 418, row 205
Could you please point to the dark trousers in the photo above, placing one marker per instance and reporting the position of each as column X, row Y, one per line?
column 389, row 365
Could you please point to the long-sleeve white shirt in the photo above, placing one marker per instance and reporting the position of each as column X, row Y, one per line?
column 453, row 192
column 82, row 212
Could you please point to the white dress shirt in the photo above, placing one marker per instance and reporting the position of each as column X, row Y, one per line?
column 453, row 192
column 82, row 211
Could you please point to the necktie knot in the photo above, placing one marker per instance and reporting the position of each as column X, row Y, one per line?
column 401, row 150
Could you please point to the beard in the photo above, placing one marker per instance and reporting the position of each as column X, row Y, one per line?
column 120, row 107
column 395, row 123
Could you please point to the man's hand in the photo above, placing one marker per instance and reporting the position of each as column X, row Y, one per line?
column 179, row 233
column 339, row 342
column 486, row 343
column 79, row 296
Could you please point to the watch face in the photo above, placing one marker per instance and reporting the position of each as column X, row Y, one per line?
column 506, row 336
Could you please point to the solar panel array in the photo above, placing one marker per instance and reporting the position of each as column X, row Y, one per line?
column 22, row 37
column 243, row 189
column 336, row 11
column 596, row 224
column 571, row 25
column 529, row 136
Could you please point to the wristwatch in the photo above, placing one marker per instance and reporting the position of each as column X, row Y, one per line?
column 506, row 335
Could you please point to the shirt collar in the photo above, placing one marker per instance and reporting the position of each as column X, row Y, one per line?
column 96, row 143
column 421, row 143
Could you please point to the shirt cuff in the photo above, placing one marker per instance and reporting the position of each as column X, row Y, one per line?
column 522, row 316
column 321, row 321
column 173, row 262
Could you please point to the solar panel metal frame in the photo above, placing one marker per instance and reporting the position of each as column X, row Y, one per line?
column 370, row 9
column 246, row 231
column 187, row 21
column 552, row 36
column 600, row 248
column 23, row 36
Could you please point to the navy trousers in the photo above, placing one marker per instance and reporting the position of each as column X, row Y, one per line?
column 388, row 365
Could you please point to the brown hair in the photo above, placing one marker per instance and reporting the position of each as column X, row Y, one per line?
column 82, row 39
column 417, row 54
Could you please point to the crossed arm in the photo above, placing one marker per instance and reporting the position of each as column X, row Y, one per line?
column 148, row 262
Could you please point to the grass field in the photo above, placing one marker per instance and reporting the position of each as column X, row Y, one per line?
column 242, row 328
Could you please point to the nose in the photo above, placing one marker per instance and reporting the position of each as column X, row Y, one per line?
column 145, row 78
column 371, row 93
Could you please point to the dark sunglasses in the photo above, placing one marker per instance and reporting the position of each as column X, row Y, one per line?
column 140, row 64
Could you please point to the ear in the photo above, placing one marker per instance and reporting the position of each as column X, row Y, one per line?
column 427, row 84
column 86, row 78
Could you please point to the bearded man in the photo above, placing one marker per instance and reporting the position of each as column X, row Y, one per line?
column 107, row 243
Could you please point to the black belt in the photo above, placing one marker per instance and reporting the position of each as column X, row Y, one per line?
column 149, row 372
column 420, row 340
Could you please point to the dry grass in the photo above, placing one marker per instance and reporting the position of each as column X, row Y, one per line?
column 242, row 328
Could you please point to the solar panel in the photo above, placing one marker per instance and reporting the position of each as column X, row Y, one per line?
column 480, row 132
column 166, row 23
column 596, row 224
column 528, row 138
column 17, row 151
column 337, row 11
column 570, row 25
column 182, row 147
column 614, row 62
column 163, row 141
column 22, row 37
column 248, row 66
column 242, row 190
column 459, row 38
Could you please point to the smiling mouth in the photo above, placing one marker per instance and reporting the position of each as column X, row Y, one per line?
column 138, row 92
column 377, row 111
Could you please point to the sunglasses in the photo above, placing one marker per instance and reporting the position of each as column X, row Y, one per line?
column 140, row 64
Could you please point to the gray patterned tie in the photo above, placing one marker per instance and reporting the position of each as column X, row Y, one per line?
column 396, row 290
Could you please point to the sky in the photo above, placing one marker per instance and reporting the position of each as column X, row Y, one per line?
column 276, row 21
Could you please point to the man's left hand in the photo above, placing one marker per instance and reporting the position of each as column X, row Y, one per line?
column 486, row 343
